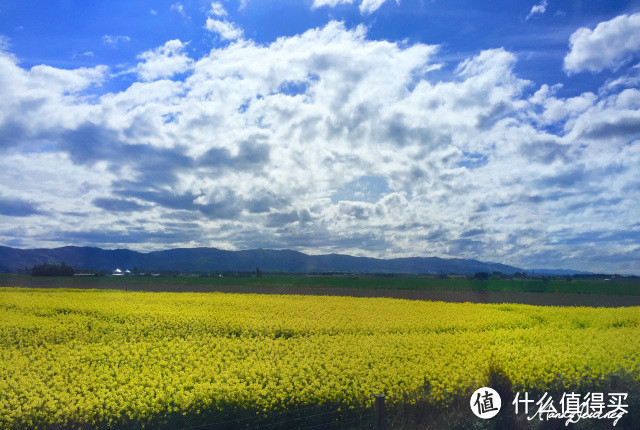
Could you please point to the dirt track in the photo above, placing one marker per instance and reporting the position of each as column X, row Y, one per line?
column 457, row 296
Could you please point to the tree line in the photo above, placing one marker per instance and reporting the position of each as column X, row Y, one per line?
column 46, row 269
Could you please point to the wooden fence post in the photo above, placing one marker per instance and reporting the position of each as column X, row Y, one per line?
column 381, row 413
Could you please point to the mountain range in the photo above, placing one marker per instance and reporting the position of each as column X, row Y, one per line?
column 200, row 260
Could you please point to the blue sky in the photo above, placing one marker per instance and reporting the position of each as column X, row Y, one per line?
column 506, row 131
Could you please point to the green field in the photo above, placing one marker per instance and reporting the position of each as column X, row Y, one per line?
column 618, row 286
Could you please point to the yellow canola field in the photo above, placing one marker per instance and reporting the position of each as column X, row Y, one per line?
column 78, row 358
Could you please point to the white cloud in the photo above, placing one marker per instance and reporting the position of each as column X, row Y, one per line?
column 83, row 54
column 226, row 30
column 538, row 9
column 613, row 120
column 630, row 79
column 179, row 8
column 370, row 6
column 608, row 46
column 153, row 12
column 329, row 3
column 555, row 109
column 366, row 6
column 114, row 40
column 217, row 9
column 41, row 101
column 163, row 62
column 250, row 149
column 67, row 81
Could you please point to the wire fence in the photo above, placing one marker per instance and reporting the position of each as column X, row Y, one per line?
column 324, row 417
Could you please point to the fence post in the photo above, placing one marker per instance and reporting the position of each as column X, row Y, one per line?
column 381, row 413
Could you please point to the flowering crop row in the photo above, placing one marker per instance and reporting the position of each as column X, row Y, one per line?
column 78, row 358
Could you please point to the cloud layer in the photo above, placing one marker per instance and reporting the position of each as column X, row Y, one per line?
column 325, row 141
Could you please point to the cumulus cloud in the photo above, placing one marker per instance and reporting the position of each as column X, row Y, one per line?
column 325, row 141
column 629, row 79
column 329, row 3
column 608, row 46
column 217, row 9
column 225, row 29
column 40, row 100
column 164, row 61
column 370, row 6
column 67, row 81
column 537, row 9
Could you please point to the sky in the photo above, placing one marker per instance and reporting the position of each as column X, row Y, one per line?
column 500, row 131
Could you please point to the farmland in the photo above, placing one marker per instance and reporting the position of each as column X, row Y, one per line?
column 553, row 291
column 116, row 359
column 597, row 285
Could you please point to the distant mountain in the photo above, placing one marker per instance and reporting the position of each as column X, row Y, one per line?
column 212, row 259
